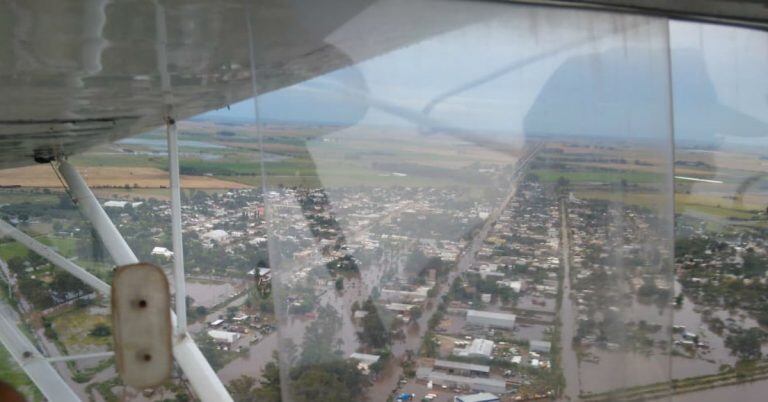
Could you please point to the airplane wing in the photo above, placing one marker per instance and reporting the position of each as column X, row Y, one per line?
column 77, row 74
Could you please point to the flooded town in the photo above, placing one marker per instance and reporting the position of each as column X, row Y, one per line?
column 384, row 201
column 531, row 292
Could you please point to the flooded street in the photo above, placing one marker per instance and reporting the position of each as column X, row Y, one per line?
column 619, row 369
column 259, row 355
column 209, row 293
column 568, row 358
column 388, row 380
column 748, row 392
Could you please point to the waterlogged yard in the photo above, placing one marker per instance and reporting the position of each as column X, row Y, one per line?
column 82, row 330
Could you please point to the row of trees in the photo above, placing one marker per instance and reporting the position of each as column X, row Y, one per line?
column 62, row 286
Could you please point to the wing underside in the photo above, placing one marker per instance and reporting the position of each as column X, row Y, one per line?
column 78, row 74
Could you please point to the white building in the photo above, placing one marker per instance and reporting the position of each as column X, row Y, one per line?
column 455, row 381
column 490, row 319
column 418, row 295
column 399, row 307
column 257, row 240
column 121, row 204
column 481, row 397
column 478, row 348
column 516, row 286
column 540, row 346
column 224, row 336
column 162, row 251
column 264, row 273
column 218, row 236
column 364, row 361
column 460, row 368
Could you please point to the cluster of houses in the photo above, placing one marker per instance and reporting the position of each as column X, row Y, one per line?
column 509, row 323
column 228, row 332
column 519, row 255
column 613, row 270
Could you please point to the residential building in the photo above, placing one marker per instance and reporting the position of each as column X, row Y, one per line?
column 491, row 319
column 481, row 397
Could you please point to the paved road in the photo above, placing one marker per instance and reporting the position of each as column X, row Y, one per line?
column 360, row 291
column 6, row 310
column 392, row 372
column 566, row 315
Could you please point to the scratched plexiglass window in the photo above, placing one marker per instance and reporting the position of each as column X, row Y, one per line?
column 721, row 124
column 488, row 210
column 61, row 317
column 527, row 203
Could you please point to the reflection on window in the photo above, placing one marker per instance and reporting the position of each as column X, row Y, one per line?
column 492, row 211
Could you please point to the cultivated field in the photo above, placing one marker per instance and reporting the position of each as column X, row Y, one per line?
column 106, row 176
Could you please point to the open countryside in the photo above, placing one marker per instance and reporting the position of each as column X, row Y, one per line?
column 407, row 266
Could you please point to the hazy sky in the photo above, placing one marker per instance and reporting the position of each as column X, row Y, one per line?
column 569, row 80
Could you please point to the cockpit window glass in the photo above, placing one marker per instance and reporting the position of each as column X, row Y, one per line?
column 488, row 210
column 526, row 203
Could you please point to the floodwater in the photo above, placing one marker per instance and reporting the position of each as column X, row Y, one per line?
column 160, row 148
column 259, row 355
column 162, row 145
column 388, row 379
column 209, row 294
column 567, row 317
column 747, row 392
column 358, row 290
column 619, row 369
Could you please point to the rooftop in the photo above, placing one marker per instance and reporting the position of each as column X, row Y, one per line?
column 481, row 397
column 447, row 364
column 459, row 379
column 364, row 358
column 490, row 314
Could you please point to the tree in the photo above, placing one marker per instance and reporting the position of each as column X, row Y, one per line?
column 35, row 259
column 320, row 337
column 374, row 333
column 346, row 263
column 339, row 284
column 337, row 380
column 101, row 330
column 270, row 383
column 36, row 292
column 416, row 262
column 65, row 202
column 16, row 264
column 210, row 350
column 762, row 315
column 679, row 300
column 241, row 389
column 429, row 345
column 65, row 284
column 746, row 345
column 754, row 265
